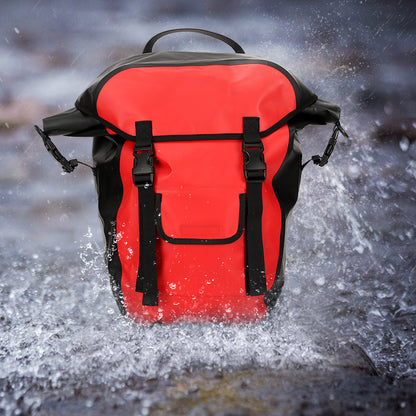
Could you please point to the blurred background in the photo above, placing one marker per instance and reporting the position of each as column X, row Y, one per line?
column 350, row 276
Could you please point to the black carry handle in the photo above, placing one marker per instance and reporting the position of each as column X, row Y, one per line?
column 237, row 48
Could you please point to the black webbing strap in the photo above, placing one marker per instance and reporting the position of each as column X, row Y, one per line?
column 323, row 160
column 143, row 175
column 255, row 173
column 67, row 165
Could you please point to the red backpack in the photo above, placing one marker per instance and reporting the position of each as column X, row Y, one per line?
column 197, row 166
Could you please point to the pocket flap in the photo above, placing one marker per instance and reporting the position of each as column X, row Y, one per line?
column 200, row 217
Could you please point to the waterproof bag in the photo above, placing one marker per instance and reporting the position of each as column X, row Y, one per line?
column 197, row 167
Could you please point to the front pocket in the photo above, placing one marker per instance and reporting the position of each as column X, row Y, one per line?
column 200, row 217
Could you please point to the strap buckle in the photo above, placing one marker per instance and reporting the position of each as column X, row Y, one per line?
column 143, row 169
column 67, row 165
column 323, row 160
column 254, row 164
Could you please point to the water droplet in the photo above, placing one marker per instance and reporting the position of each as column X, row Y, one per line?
column 404, row 144
column 354, row 171
column 359, row 249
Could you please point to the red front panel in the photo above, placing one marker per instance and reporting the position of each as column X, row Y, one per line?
column 200, row 183
column 196, row 99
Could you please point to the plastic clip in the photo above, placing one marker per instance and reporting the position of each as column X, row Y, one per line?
column 143, row 169
column 67, row 165
column 254, row 164
column 323, row 160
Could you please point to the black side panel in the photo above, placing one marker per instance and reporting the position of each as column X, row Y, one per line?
column 286, row 188
column 106, row 155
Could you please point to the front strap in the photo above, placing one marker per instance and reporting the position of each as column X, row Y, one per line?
column 255, row 173
column 143, row 175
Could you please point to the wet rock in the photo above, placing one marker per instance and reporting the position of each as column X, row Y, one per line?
column 282, row 391
column 349, row 355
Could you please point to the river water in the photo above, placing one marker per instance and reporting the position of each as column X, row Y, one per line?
column 342, row 339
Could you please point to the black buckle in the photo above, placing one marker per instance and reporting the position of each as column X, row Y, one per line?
column 67, row 165
column 254, row 164
column 329, row 147
column 323, row 160
column 143, row 170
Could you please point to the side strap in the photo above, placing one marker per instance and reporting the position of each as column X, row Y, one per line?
column 323, row 160
column 67, row 165
column 143, row 176
column 255, row 174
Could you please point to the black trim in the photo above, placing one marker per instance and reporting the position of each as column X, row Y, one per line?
column 285, row 184
column 192, row 137
column 106, row 156
column 201, row 241
column 114, row 268
column 196, row 137
column 280, row 123
column 230, row 42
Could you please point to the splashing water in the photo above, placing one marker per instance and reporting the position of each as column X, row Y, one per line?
column 62, row 330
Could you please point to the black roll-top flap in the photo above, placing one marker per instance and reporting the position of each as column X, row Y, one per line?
column 73, row 123
column 319, row 113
